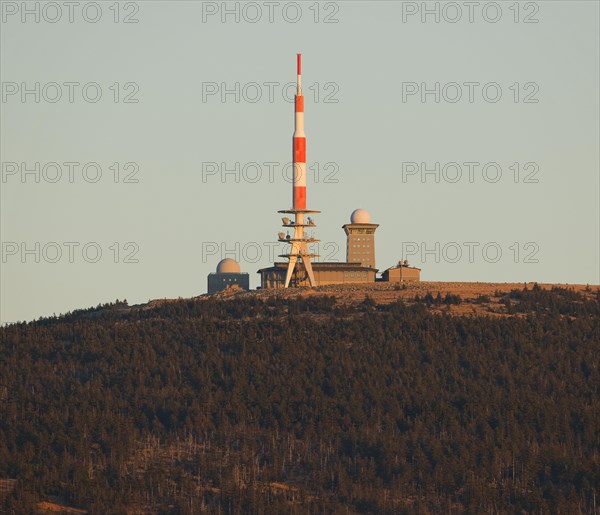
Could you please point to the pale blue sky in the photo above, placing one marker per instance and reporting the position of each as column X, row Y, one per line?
column 171, row 213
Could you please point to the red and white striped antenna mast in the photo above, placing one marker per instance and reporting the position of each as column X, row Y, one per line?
column 299, row 242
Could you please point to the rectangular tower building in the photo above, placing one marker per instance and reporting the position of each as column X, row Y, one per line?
column 360, row 234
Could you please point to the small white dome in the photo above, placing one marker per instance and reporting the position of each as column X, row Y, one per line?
column 360, row 216
column 228, row 266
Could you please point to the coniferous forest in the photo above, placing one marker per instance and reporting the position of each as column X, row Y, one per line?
column 305, row 405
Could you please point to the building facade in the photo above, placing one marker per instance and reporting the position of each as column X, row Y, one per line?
column 360, row 238
column 324, row 272
column 401, row 273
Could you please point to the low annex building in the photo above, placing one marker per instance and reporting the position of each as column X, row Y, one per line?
column 401, row 273
column 325, row 273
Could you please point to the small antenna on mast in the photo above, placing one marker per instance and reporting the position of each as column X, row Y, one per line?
column 299, row 87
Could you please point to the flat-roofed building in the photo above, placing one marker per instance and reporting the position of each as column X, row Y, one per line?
column 401, row 273
column 325, row 273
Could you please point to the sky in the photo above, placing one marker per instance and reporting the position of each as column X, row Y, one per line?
column 142, row 142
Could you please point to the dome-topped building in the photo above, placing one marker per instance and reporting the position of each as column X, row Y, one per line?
column 228, row 273
column 360, row 238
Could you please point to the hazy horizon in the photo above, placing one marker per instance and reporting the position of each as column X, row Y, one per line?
column 138, row 128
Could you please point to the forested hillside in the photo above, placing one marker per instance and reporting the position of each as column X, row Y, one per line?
column 305, row 405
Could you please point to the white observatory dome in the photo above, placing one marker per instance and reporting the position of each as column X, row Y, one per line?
column 228, row 266
column 360, row 216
